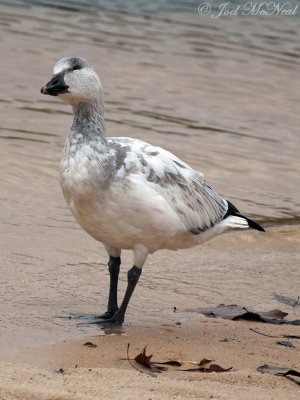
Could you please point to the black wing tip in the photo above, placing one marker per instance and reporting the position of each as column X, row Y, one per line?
column 232, row 210
column 254, row 225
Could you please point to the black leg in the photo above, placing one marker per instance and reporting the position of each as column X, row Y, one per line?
column 114, row 269
column 133, row 276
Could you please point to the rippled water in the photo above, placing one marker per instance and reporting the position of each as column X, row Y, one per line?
column 223, row 94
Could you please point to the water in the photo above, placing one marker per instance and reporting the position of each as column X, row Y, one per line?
column 222, row 94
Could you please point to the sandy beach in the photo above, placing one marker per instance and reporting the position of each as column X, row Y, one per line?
column 33, row 372
column 222, row 94
column 103, row 371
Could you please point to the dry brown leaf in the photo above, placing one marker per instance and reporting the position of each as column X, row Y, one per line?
column 204, row 365
column 173, row 363
column 204, row 361
column 277, row 370
column 207, row 369
column 145, row 360
column 281, row 371
column 90, row 344
column 235, row 313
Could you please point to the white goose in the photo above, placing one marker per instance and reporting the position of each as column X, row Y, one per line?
column 126, row 193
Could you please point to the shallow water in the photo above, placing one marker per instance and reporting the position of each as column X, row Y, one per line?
column 222, row 94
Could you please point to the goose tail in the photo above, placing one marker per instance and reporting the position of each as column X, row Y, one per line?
column 234, row 219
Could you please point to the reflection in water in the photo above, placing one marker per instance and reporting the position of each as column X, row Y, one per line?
column 221, row 94
column 86, row 320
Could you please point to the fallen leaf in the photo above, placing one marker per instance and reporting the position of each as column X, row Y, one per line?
column 286, row 300
column 145, row 360
column 206, row 369
column 235, row 313
column 277, row 370
column 173, row 363
column 294, row 322
column 204, row 365
column 204, row 361
column 176, row 363
column 285, row 343
column 262, row 315
column 90, row 344
column 216, row 368
column 133, row 365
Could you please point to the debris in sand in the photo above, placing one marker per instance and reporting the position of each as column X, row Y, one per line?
column 90, row 344
column 279, row 371
column 235, row 313
column 204, row 365
column 285, row 343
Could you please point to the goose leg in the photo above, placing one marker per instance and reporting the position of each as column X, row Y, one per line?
column 133, row 275
column 114, row 269
column 132, row 279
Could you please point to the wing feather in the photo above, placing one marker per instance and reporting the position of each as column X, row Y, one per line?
column 185, row 189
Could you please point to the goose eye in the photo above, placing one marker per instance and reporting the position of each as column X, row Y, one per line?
column 76, row 67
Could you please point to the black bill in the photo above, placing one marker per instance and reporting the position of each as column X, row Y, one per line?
column 56, row 86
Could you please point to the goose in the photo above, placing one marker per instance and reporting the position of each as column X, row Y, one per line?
column 129, row 194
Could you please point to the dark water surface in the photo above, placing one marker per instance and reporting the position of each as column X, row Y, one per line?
column 223, row 94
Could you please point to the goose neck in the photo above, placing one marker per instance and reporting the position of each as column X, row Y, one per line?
column 89, row 121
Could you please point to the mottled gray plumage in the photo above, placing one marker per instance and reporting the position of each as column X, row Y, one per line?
column 126, row 193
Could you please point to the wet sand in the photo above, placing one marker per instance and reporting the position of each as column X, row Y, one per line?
column 104, row 371
column 222, row 100
column 28, row 364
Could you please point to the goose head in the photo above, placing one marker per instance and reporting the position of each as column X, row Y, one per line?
column 74, row 81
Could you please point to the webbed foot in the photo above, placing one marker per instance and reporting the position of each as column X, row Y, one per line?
column 112, row 321
column 107, row 315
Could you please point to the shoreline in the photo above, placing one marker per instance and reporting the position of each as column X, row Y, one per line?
column 220, row 95
column 105, row 371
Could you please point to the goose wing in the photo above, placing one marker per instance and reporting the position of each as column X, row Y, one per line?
column 197, row 205
column 185, row 189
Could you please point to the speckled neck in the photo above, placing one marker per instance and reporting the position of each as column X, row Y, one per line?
column 88, row 122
